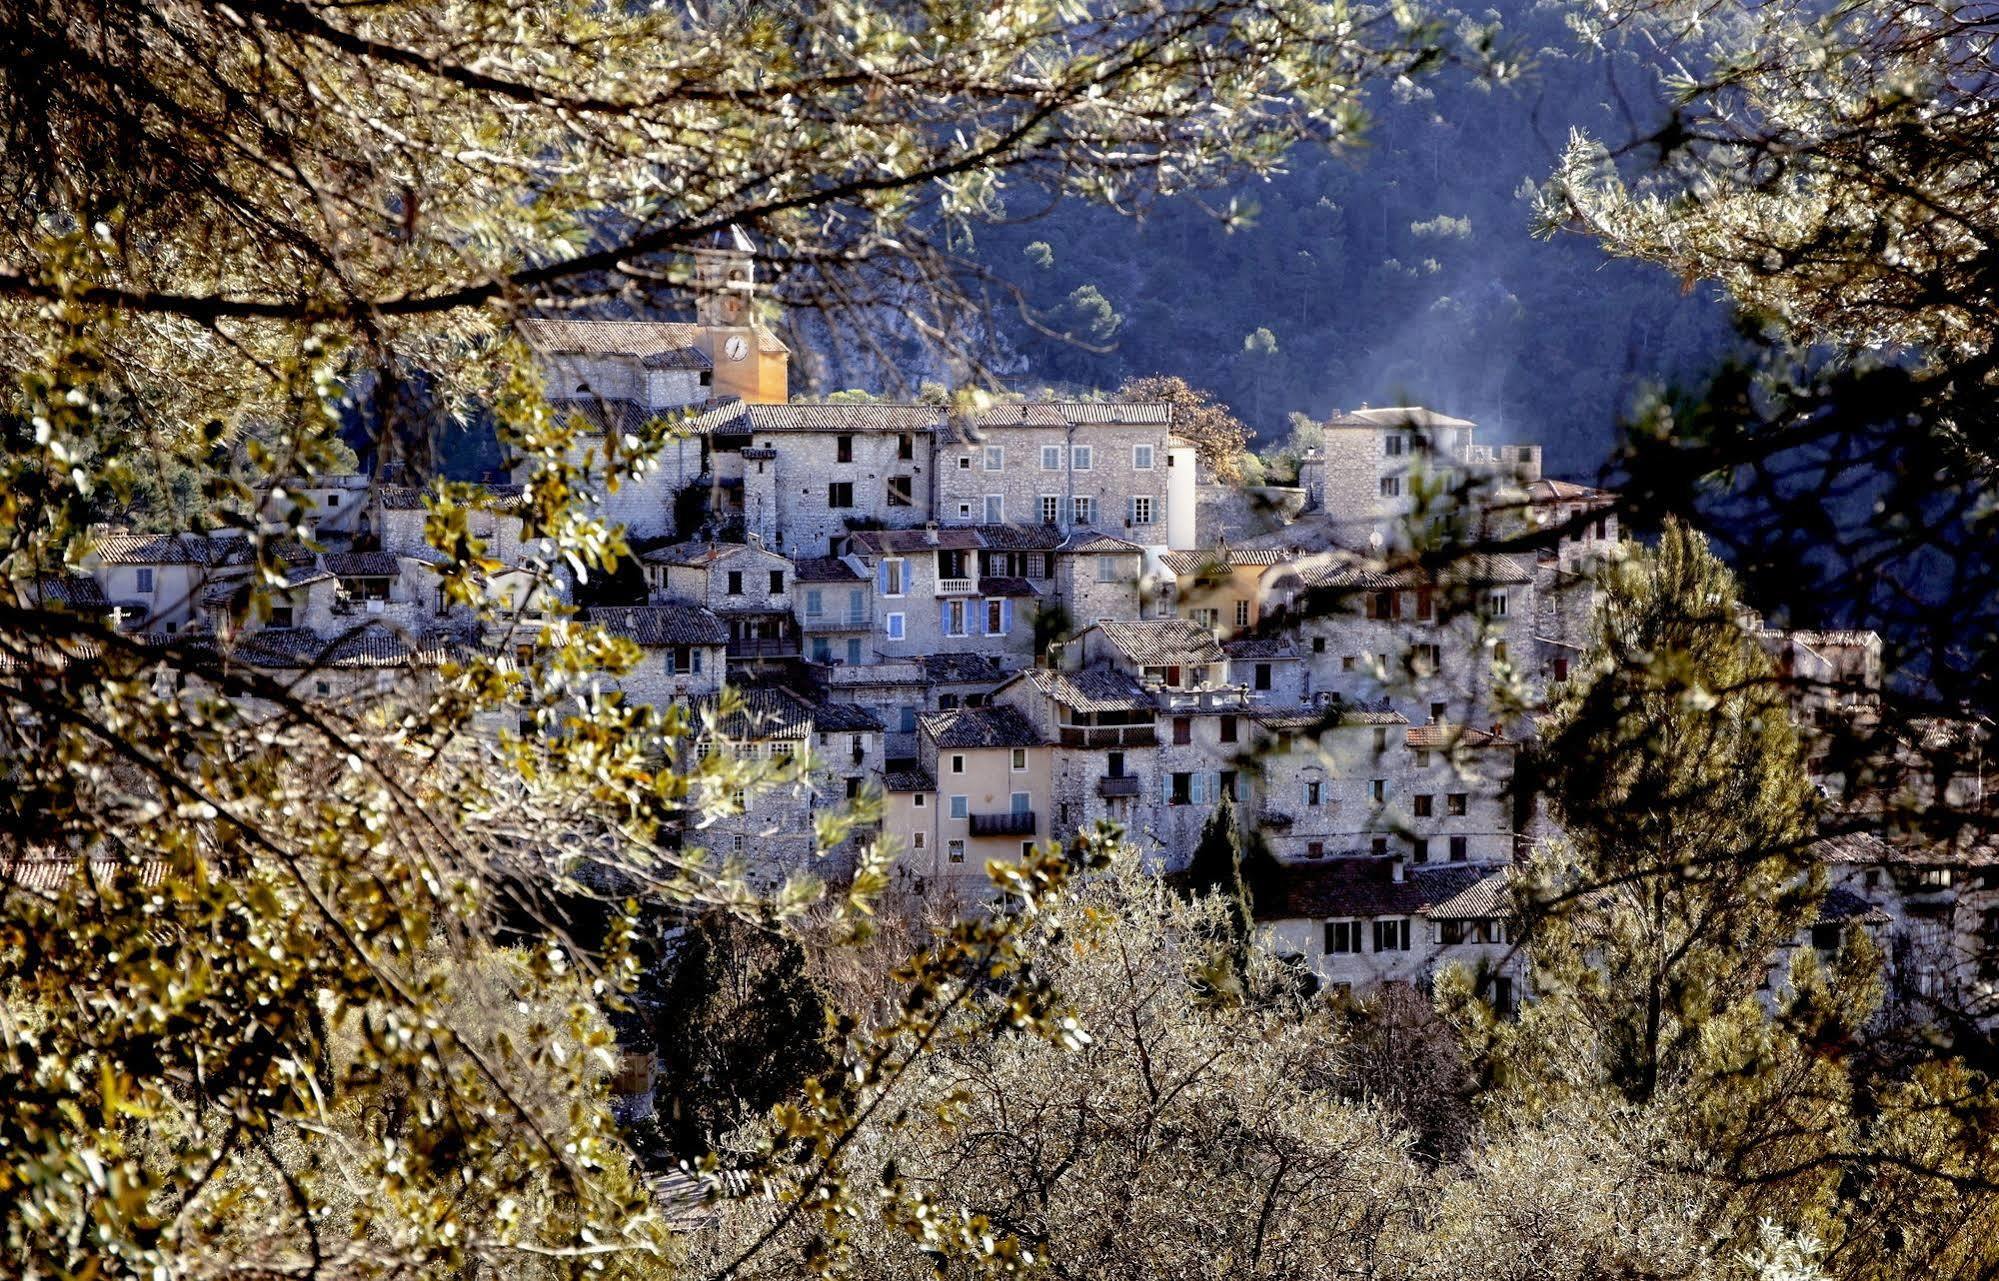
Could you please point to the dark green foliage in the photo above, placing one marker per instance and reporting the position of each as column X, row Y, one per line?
column 1216, row 868
column 740, row 1026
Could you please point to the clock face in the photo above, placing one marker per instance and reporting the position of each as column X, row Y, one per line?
column 736, row 348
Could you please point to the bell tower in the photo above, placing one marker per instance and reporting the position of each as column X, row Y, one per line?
column 747, row 360
column 725, row 279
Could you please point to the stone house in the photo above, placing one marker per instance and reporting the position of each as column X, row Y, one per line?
column 1099, row 577
column 835, row 610
column 1323, row 782
column 1105, row 730
column 154, row 582
column 750, row 588
column 762, row 816
column 1081, row 465
column 685, row 651
column 810, row 474
column 1225, row 589
column 928, row 598
column 1387, row 468
column 1160, row 653
column 1439, row 647
column 1357, row 924
column 991, row 771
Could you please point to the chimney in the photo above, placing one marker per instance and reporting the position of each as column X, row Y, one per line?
column 1398, row 871
column 930, row 533
column 754, row 539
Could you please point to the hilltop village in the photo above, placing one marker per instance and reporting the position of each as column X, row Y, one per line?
column 1006, row 626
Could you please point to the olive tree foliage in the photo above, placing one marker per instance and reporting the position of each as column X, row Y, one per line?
column 240, row 923
column 1170, row 1136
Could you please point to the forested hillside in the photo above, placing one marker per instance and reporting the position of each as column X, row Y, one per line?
column 1404, row 271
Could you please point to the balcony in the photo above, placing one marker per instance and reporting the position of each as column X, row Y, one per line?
column 840, row 622
column 1124, row 785
column 1112, row 736
column 1016, row 823
column 957, row 587
column 763, row 647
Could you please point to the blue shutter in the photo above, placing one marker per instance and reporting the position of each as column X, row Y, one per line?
column 1165, row 788
column 1006, row 618
column 881, row 578
column 944, row 617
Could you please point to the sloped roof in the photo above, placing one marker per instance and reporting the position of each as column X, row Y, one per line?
column 703, row 553
column 1081, row 413
column 825, row 569
column 1842, row 904
column 973, row 727
column 652, row 626
column 1004, row 586
column 1215, row 558
column 1163, row 642
column 121, row 547
column 1549, row 490
column 1087, row 541
column 1260, row 647
column 71, row 591
column 908, row 780
column 741, row 419
column 963, row 669
column 374, row 643
column 1358, row 887
column 845, row 718
column 1442, row 737
column 904, row 541
column 648, row 340
column 762, row 713
column 362, row 564
column 1021, row 538
column 1099, row 689
column 1396, row 416
column 1488, row 897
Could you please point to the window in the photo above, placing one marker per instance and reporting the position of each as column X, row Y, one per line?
column 1183, row 731
column 1205, row 617
column 1424, row 804
column 905, row 447
column 1318, row 644
column 1114, row 765
column 1141, row 458
column 843, row 449
column 1437, row 713
column 146, row 579
column 1261, row 676
column 1378, row 789
column 1419, row 850
column 1426, row 605
column 1428, row 660
column 1391, row 487
column 1020, row 802
column 777, row 582
column 958, row 763
column 964, row 462
column 892, row 577
column 954, row 618
column 281, row 615
column 1454, row 804
column 1460, row 849
column 1380, row 740
column 854, row 654
column 1080, row 457
column 853, row 787
column 840, row 494
column 1051, row 509
column 1383, row 605
column 995, row 457
column 1495, row 604
column 1392, row 446
column 961, row 807
column 1018, row 761
column 916, row 839
column 815, row 602
column 892, row 626
column 995, row 618
column 1051, row 458
column 1228, row 729
column 1422, row 758
column 1392, row 935
column 1499, row 651
column 1347, row 663
column 900, row 491
column 1825, row 937
column 1502, row 996
column 1141, row 509
column 965, row 511
column 1108, row 570
column 735, row 582
column 1380, row 847
column 1180, row 789
column 1315, row 849
column 1314, row 791
column 956, row 851
column 1083, row 510
column 1342, row 938
column 1242, row 613
column 1561, row 669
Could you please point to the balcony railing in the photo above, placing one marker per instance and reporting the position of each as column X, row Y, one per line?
column 1014, row 823
column 1126, row 785
column 1109, row 735
column 763, row 647
column 957, row 586
column 840, row 622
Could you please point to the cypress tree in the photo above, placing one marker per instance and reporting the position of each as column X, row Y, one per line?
column 1216, row 868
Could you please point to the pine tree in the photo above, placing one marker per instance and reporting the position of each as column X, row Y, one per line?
column 1216, row 868
column 1671, row 766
